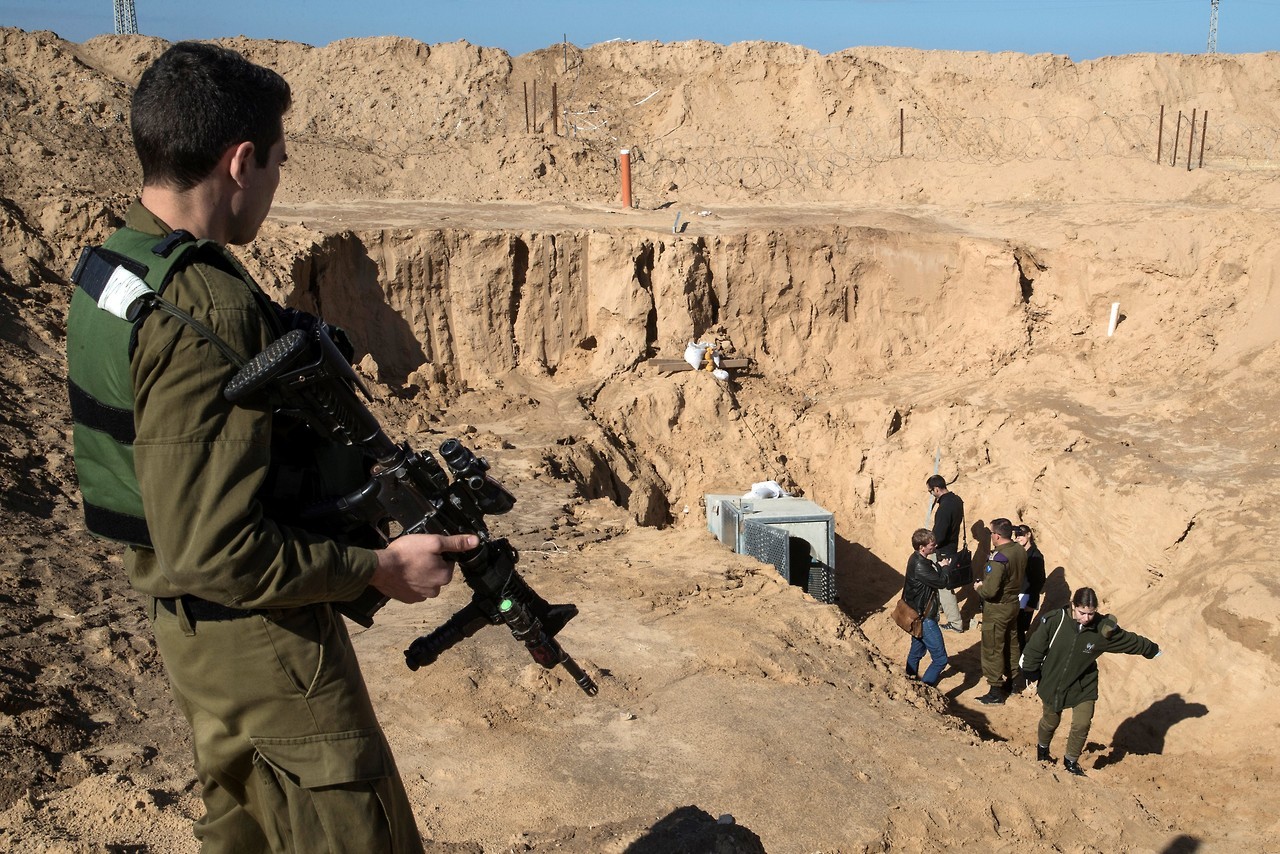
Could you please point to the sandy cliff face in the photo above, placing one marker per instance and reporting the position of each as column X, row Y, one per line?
column 917, row 252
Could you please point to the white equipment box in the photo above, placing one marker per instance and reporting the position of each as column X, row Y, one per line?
column 794, row 534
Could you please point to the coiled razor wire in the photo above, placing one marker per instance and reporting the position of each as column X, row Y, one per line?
column 802, row 160
column 825, row 162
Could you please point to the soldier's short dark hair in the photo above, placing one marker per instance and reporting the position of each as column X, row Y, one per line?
column 194, row 102
column 1003, row 527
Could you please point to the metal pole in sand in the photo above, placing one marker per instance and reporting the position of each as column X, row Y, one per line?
column 1204, row 131
column 1160, row 135
column 1115, row 318
column 1191, row 140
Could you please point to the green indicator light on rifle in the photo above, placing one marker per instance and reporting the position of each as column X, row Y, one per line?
column 506, row 605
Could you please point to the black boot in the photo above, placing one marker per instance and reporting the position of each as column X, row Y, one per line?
column 1042, row 753
column 1072, row 765
column 993, row 697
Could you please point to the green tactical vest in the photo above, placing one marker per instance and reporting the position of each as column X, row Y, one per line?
column 118, row 285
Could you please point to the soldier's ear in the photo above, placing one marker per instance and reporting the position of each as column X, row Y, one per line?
column 239, row 158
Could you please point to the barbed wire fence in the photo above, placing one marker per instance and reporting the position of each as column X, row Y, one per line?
column 822, row 160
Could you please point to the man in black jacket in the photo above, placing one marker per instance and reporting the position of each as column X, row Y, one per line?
column 948, row 519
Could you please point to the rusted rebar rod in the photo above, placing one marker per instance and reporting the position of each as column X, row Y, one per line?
column 1160, row 135
column 1204, row 131
column 1191, row 139
column 1177, row 135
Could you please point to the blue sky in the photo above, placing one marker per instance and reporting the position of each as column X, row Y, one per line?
column 1081, row 29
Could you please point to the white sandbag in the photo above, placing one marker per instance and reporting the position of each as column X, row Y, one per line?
column 766, row 489
column 693, row 354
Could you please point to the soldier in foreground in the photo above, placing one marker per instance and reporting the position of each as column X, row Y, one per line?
column 239, row 589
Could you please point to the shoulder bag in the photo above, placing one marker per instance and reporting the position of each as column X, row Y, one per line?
column 909, row 619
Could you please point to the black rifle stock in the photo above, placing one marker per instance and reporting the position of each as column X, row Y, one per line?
column 304, row 373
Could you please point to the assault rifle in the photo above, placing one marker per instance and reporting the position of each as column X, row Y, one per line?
column 304, row 374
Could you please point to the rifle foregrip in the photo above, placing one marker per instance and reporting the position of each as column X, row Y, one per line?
column 460, row 626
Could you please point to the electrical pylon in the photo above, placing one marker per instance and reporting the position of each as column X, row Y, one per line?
column 126, row 18
column 1213, row 26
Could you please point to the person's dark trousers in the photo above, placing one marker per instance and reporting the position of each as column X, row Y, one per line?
column 1024, row 626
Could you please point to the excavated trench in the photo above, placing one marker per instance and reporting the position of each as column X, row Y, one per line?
column 823, row 314
column 877, row 355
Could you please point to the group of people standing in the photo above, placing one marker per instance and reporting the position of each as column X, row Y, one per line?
column 1009, row 586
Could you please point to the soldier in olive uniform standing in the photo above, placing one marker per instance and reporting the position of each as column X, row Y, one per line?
column 288, row 751
column 999, row 587
column 1063, row 654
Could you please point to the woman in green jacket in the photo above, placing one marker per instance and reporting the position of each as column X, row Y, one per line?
column 1062, row 655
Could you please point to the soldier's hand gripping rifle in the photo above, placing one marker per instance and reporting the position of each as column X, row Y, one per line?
column 305, row 374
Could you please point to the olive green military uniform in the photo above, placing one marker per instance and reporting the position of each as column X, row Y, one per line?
column 999, row 588
column 1066, row 654
column 287, row 747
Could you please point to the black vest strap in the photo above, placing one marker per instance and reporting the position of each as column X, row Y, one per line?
column 172, row 239
column 96, row 415
column 95, row 267
column 117, row 526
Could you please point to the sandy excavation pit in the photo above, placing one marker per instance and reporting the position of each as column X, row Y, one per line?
column 596, row 310
column 895, row 311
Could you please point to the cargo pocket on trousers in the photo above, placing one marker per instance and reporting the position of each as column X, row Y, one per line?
column 328, row 759
column 328, row 792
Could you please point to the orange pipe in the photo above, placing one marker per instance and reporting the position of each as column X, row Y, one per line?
column 625, row 162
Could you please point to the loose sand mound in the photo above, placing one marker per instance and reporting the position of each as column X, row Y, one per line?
column 918, row 253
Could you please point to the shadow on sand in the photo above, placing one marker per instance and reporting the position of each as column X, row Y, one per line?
column 693, row 829
column 1144, row 734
